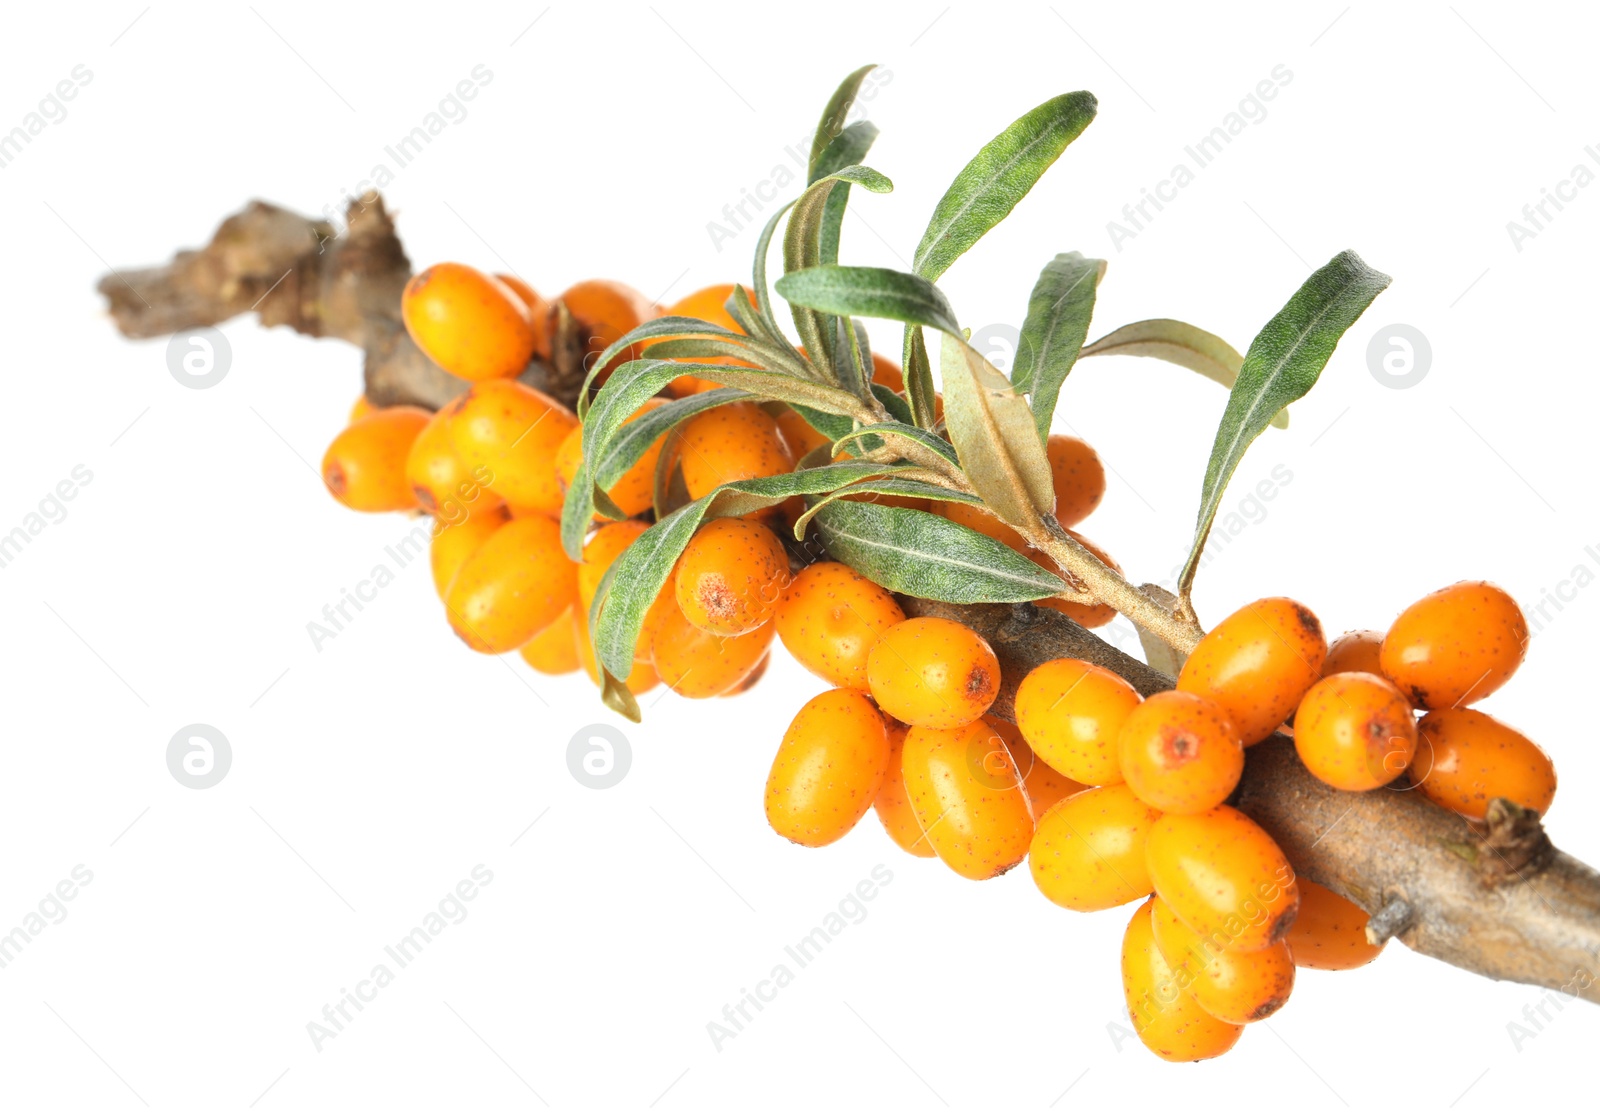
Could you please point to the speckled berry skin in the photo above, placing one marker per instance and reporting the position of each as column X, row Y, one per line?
column 1077, row 475
column 739, row 441
column 634, row 491
column 1455, row 646
column 1223, row 876
column 932, row 672
column 1466, row 758
column 968, row 798
column 828, row 769
column 513, row 586
column 1236, row 987
column 1257, row 663
column 731, row 576
column 1180, row 753
column 507, row 435
column 1071, row 713
column 1354, row 651
column 892, row 805
column 1169, row 1022
column 1088, row 854
column 1329, row 933
column 469, row 323
column 365, row 466
column 1355, row 731
column 695, row 664
column 831, row 616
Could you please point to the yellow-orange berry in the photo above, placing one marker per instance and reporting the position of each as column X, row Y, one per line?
column 1465, row 759
column 797, row 433
column 1355, row 731
column 516, row 584
column 739, row 441
column 1077, row 475
column 1455, row 646
column 1169, row 1022
column 507, row 436
column 442, row 483
column 634, row 491
column 1232, row 986
column 365, row 466
column 1071, row 712
column 1223, row 876
column 892, row 805
column 1354, row 651
column 933, row 673
column 641, row 679
column 602, row 548
column 1329, row 933
column 554, row 650
column 453, row 543
column 538, row 314
column 362, row 407
column 1180, row 753
column 1256, row 664
column 831, row 616
column 730, row 576
column 1088, row 852
column 603, row 312
column 1042, row 785
column 698, row 665
column 467, row 322
column 967, row 798
column 828, row 769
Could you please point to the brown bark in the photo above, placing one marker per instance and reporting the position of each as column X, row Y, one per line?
column 1495, row 898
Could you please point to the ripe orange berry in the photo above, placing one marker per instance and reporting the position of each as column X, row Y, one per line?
column 443, row 485
column 892, row 805
column 1355, row 731
column 1077, row 476
column 365, row 467
column 515, row 585
column 828, row 769
column 1223, row 876
column 509, row 433
column 1236, row 987
column 1084, row 614
column 634, row 492
column 603, row 547
column 363, row 406
column 708, row 304
column 1455, row 646
column 538, row 315
column 1257, row 664
column 1354, row 651
column 751, row 678
column 1071, row 712
column 1180, row 753
column 468, row 323
column 1329, row 933
column 797, row 433
column 730, row 576
column 641, row 679
column 554, row 650
column 1465, row 759
column 1088, row 852
column 739, row 441
column 454, row 542
column 604, row 312
column 698, row 665
column 829, row 618
column 1042, row 785
column 967, row 798
column 933, row 673
column 1169, row 1022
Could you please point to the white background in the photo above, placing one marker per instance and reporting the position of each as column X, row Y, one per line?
column 372, row 776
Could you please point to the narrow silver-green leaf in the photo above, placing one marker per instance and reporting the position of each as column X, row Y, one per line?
column 929, row 556
column 633, row 439
column 869, row 292
column 904, row 486
column 998, row 177
column 759, row 288
column 832, row 125
column 919, row 379
column 1056, row 326
column 992, row 428
column 848, row 148
column 675, row 327
column 1284, row 362
column 900, row 429
column 894, row 402
column 639, row 573
column 1178, row 342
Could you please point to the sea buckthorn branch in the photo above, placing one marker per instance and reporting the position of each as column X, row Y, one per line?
column 1497, row 899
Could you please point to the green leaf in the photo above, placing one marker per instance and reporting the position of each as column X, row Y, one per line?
column 928, row 556
column 639, row 572
column 848, row 148
column 675, row 327
column 992, row 429
column 910, row 432
column 919, row 379
column 1057, row 325
column 832, row 125
column 899, row 409
column 998, row 177
column 634, row 438
column 759, row 273
column 869, row 292
column 1178, row 342
column 904, row 485
column 1284, row 362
